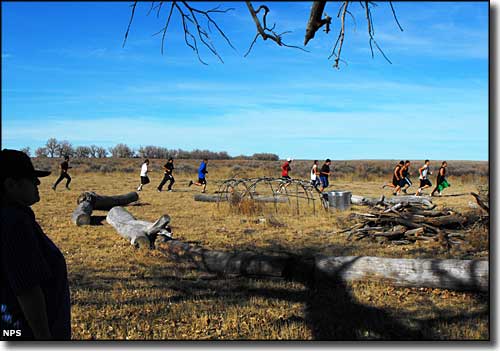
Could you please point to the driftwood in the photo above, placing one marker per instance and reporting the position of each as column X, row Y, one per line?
column 89, row 201
column 141, row 234
column 218, row 198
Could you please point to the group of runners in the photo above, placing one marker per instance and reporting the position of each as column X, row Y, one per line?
column 401, row 180
column 319, row 177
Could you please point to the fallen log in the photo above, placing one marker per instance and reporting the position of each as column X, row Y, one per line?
column 218, row 198
column 432, row 273
column 141, row 234
column 450, row 274
column 89, row 201
column 404, row 200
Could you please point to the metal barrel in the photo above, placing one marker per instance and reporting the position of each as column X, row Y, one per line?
column 340, row 200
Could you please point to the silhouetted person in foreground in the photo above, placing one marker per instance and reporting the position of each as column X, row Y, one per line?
column 35, row 298
column 64, row 173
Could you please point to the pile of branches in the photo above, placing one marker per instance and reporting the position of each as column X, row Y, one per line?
column 405, row 223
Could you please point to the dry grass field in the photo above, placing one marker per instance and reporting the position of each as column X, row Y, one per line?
column 119, row 292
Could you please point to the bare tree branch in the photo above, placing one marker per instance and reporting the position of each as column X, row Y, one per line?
column 130, row 22
column 315, row 21
column 264, row 31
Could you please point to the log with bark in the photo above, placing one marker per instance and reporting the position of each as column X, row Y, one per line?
column 140, row 233
column 89, row 201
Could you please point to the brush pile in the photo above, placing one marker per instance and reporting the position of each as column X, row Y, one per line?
column 408, row 221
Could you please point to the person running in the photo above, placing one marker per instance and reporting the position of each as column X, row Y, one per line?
column 285, row 168
column 169, row 168
column 395, row 176
column 144, row 174
column 34, row 290
column 441, row 182
column 315, row 175
column 324, row 173
column 424, row 173
column 405, row 181
column 64, row 173
column 202, row 171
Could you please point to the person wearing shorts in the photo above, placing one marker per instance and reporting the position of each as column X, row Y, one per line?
column 285, row 168
column 441, row 182
column 424, row 172
column 144, row 174
column 395, row 176
column 405, row 182
column 315, row 175
column 202, row 171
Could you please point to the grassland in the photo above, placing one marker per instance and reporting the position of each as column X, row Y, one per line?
column 119, row 292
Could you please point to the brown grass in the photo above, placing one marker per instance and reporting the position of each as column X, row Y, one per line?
column 119, row 292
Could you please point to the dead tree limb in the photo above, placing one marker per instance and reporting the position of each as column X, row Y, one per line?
column 264, row 31
column 316, row 21
column 481, row 203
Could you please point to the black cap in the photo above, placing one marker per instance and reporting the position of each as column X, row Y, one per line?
column 16, row 164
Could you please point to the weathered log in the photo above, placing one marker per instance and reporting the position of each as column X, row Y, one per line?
column 432, row 273
column 218, row 198
column 411, row 199
column 89, row 201
column 140, row 233
column 481, row 203
column 81, row 214
column 407, row 199
column 221, row 262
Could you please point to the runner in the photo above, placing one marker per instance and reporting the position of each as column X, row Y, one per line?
column 285, row 168
column 324, row 173
column 202, row 171
column 424, row 172
column 64, row 173
column 168, row 167
column 144, row 174
column 315, row 175
column 395, row 176
column 441, row 182
column 405, row 181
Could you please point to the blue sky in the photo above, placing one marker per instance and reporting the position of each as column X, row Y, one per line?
column 66, row 75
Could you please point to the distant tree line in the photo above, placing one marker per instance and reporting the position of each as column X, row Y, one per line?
column 56, row 148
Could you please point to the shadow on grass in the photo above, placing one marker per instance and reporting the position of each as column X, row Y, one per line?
column 331, row 311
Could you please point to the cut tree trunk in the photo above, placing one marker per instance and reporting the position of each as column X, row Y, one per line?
column 408, row 199
column 89, row 201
